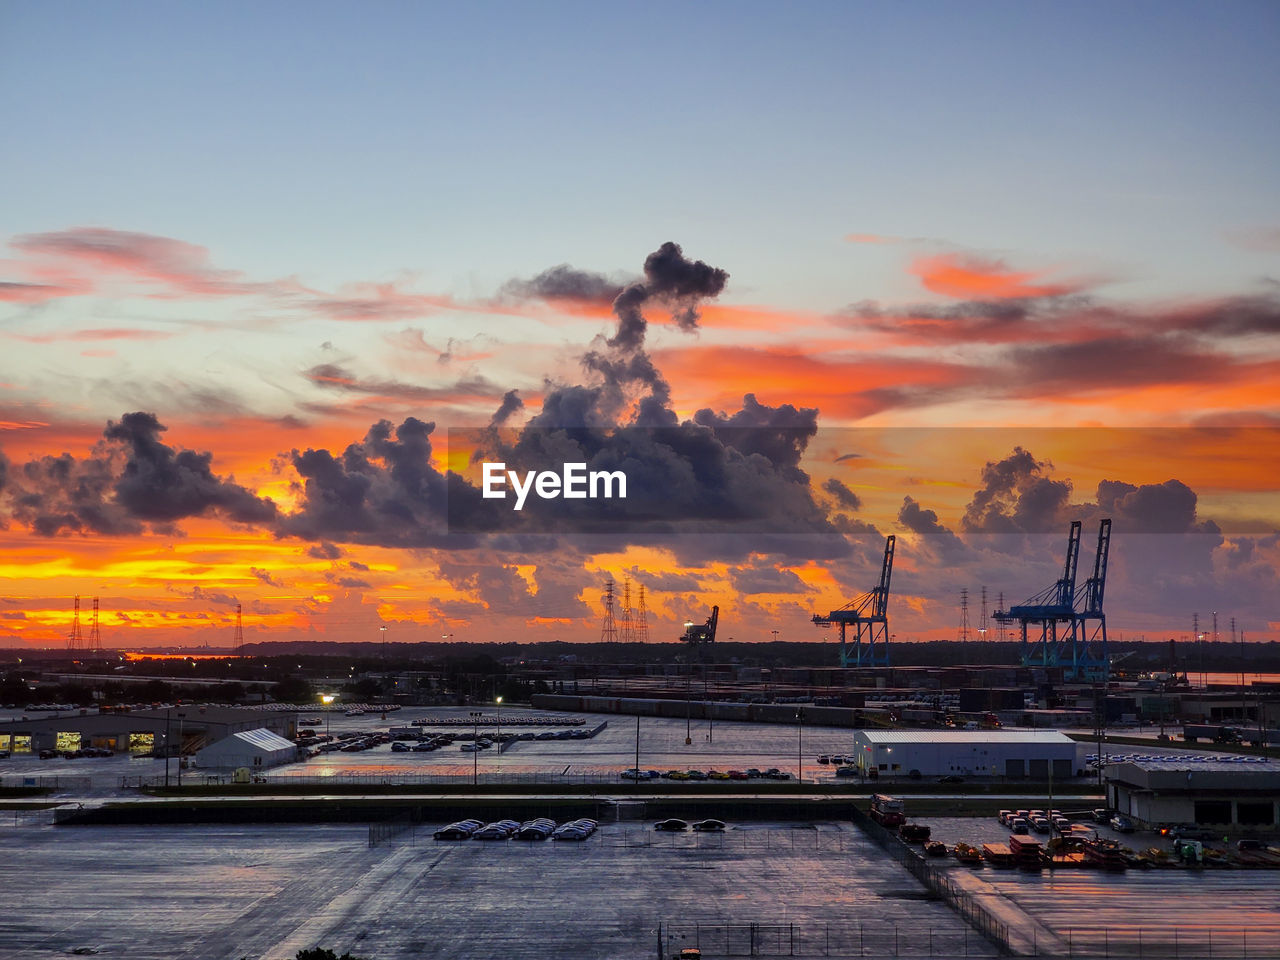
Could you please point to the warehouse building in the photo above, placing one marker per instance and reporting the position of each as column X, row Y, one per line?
column 141, row 731
column 1013, row 754
column 256, row 749
column 1217, row 793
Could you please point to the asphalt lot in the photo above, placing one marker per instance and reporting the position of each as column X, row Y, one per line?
column 267, row 892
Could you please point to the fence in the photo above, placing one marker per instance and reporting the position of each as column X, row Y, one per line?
column 47, row 783
column 818, row 939
column 27, row 817
column 1167, row 943
column 387, row 830
column 1261, row 942
column 934, row 880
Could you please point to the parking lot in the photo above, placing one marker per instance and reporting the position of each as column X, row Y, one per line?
column 267, row 892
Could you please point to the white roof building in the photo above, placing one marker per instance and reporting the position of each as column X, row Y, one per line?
column 255, row 749
column 1013, row 754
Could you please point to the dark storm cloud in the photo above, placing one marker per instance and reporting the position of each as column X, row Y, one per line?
column 766, row 579
column 511, row 404
column 59, row 493
column 671, row 280
column 716, row 473
column 383, row 490
column 564, row 282
column 324, row 551
column 1017, row 496
column 265, row 576
column 1168, row 507
column 936, row 540
column 351, row 583
column 159, row 484
column 843, row 495
column 131, row 478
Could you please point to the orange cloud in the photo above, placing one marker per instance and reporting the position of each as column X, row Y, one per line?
column 972, row 278
column 840, row 387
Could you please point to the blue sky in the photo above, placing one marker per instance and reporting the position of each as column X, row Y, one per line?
column 473, row 142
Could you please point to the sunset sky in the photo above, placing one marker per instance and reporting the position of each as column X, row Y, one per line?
column 960, row 273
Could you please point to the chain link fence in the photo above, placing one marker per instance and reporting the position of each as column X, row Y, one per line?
column 820, row 939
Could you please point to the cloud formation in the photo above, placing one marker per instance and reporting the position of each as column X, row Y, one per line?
column 131, row 479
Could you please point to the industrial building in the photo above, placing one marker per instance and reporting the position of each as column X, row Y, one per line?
column 256, row 749
column 1226, row 793
column 141, row 731
column 1017, row 755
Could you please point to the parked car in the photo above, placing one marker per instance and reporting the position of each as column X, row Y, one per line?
column 1019, row 825
column 709, row 825
column 1121, row 824
column 951, row 778
column 672, row 823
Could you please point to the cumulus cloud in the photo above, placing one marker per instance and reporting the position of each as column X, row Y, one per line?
column 131, row 479
column 844, row 497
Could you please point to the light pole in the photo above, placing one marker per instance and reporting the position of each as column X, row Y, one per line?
column 181, row 717
column 800, row 745
column 711, row 720
column 167, row 746
column 475, row 747
column 327, row 699
column 498, row 701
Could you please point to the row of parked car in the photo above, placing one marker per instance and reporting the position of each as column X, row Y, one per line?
column 74, row 754
column 1041, row 821
column 676, row 825
column 1046, row 821
column 539, row 828
column 512, row 720
column 773, row 773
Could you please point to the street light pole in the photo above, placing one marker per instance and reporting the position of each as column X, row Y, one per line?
column 181, row 717
column 498, row 701
column 711, row 719
column 475, row 747
column 800, row 745
column 167, row 746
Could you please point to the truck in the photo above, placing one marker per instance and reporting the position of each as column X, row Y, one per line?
column 1191, row 732
column 888, row 811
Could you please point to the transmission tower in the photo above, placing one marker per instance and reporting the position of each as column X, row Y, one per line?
column 95, row 636
column 238, row 641
column 608, row 628
column 982, row 621
column 628, row 632
column 642, row 619
column 963, row 635
column 74, row 641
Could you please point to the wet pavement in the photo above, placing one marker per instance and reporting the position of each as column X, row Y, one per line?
column 267, row 892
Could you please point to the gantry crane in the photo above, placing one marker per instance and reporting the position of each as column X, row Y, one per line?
column 869, row 615
column 697, row 635
column 1071, row 626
